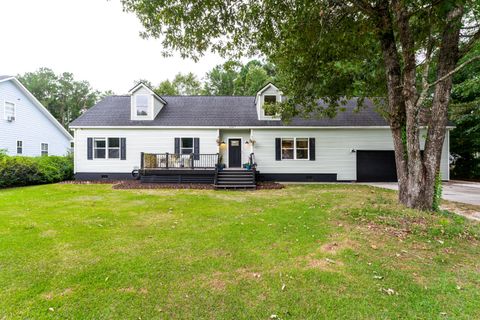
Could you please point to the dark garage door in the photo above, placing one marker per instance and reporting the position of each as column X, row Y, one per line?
column 376, row 166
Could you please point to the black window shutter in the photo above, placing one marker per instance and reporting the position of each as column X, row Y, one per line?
column 123, row 148
column 312, row 149
column 177, row 145
column 89, row 148
column 278, row 149
column 196, row 148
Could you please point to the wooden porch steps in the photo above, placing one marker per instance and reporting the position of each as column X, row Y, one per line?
column 235, row 179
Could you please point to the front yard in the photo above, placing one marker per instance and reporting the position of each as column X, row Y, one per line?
column 303, row 252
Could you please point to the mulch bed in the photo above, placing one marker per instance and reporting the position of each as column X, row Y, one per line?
column 91, row 182
column 136, row 184
column 269, row 186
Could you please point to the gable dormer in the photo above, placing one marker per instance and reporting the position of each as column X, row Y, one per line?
column 268, row 94
column 145, row 104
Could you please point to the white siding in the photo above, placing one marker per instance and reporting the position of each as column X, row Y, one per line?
column 31, row 126
column 138, row 140
column 333, row 150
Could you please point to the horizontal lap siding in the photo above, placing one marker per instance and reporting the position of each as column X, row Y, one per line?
column 333, row 150
column 138, row 140
column 31, row 126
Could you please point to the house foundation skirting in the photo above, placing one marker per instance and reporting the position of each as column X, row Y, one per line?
column 93, row 176
column 297, row 177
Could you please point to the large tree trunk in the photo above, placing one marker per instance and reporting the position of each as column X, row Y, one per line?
column 396, row 104
column 416, row 173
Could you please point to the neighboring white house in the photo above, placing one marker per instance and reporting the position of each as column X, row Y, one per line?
column 111, row 137
column 26, row 127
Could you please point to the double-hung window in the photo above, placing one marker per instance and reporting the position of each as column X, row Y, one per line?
column 113, row 148
column 9, row 110
column 19, row 147
column 106, row 148
column 99, row 148
column 141, row 104
column 186, row 145
column 44, row 149
column 295, row 149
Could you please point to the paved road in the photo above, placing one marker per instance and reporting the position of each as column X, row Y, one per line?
column 454, row 190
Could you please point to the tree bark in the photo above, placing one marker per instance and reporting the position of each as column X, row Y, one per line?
column 396, row 104
column 447, row 61
column 416, row 173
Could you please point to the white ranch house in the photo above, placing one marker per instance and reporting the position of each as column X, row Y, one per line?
column 191, row 138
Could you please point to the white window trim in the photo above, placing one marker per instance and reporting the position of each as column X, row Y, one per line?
column 21, row 146
column 148, row 105
column 5, row 109
column 295, row 149
column 181, row 147
column 107, row 147
column 107, row 154
column 41, row 149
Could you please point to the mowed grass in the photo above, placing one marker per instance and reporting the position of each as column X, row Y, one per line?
column 303, row 252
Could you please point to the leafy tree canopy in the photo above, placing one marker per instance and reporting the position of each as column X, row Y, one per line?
column 405, row 51
column 465, row 112
column 62, row 95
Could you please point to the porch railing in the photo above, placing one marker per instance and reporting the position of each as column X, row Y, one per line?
column 178, row 161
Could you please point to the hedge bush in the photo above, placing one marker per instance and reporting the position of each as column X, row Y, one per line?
column 16, row 171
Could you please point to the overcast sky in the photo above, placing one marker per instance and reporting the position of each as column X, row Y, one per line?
column 93, row 39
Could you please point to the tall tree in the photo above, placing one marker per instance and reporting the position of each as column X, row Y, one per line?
column 187, row 84
column 220, row 80
column 465, row 112
column 337, row 49
column 234, row 78
column 65, row 97
column 167, row 88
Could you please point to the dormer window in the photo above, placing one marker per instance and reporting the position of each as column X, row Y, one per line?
column 269, row 100
column 268, row 95
column 145, row 104
column 141, row 104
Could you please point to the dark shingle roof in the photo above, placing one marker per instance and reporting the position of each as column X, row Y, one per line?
column 217, row 111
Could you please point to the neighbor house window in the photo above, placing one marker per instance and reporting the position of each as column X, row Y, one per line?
column 44, row 149
column 269, row 100
column 186, row 146
column 113, row 148
column 141, row 104
column 99, row 148
column 19, row 147
column 9, row 110
column 295, row 149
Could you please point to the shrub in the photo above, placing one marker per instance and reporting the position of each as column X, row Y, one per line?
column 18, row 171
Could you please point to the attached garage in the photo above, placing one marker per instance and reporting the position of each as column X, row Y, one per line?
column 376, row 166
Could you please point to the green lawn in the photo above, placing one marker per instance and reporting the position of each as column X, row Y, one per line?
column 304, row 252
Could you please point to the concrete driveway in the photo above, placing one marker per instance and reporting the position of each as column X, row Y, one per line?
column 454, row 190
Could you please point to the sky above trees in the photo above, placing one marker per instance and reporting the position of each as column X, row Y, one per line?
column 104, row 48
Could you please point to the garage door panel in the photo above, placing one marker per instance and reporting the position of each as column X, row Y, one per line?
column 376, row 166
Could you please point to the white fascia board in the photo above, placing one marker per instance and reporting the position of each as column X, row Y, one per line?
column 234, row 127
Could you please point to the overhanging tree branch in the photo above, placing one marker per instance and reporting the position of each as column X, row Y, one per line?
column 454, row 70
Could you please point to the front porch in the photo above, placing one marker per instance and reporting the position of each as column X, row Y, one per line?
column 194, row 168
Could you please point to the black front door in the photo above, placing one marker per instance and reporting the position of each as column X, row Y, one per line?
column 234, row 153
